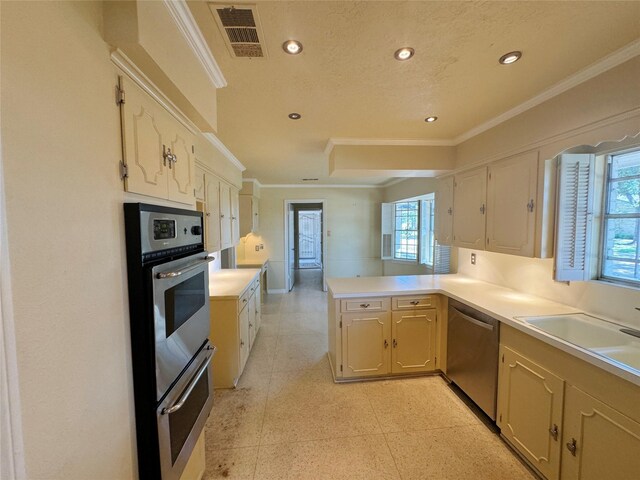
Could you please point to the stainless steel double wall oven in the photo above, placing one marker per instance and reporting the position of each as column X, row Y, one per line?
column 168, row 281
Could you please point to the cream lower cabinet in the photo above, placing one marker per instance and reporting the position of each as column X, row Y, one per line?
column 234, row 325
column 530, row 400
column 598, row 442
column 569, row 419
column 365, row 344
column 413, row 341
column 383, row 336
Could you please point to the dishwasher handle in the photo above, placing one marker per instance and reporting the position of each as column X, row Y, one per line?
column 479, row 323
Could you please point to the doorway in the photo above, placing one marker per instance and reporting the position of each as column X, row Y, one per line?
column 304, row 243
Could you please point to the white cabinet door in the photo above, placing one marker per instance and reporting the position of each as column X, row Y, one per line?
column 212, row 214
column 253, row 325
column 444, row 212
column 366, row 348
column 470, row 193
column 245, row 343
column 180, row 173
column 530, row 400
column 598, row 441
column 145, row 129
column 225, row 215
column 413, row 341
column 511, row 195
column 235, row 215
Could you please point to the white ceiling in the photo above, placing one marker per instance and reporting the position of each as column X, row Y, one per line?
column 346, row 83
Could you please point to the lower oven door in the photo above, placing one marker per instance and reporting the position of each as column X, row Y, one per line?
column 183, row 413
column 181, row 315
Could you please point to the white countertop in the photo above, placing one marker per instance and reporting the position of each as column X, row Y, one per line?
column 499, row 302
column 230, row 283
column 251, row 263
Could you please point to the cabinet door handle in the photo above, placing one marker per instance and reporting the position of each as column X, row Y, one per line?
column 572, row 447
column 450, row 211
column 395, row 344
column 554, row 432
column 482, row 209
column 244, row 300
column 530, row 205
column 386, row 344
column 250, row 324
column 241, row 343
column 414, row 302
column 365, row 305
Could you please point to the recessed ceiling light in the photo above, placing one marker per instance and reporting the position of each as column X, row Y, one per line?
column 292, row 47
column 510, row 57
column 404, row 53
column 295, row 116
column 430, row 119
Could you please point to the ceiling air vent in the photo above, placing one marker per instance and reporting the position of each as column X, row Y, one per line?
column 240, row 28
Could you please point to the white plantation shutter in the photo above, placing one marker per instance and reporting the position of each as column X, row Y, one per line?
column 574, row 216
column 386, row 237
column 442, row 259
column 423, row 254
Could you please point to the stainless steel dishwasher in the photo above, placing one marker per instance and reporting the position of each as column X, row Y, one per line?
column 472, row 354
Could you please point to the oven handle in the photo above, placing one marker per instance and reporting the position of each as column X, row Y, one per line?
column 177, row 273
column 185, row 395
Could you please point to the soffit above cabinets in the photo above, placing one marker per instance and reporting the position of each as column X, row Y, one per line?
column 347, row 84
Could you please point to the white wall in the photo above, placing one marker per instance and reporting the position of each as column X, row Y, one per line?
column 352, row 217
column 61, row 147
column 535, row 276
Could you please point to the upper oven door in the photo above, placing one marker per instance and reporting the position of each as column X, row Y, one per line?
column 181, row 315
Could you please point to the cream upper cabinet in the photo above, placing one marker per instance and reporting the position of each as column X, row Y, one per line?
column 470, row 193
column 366, row 350
column 530, row 400
column 212, row 213
column 413, row 341
column 199, row 184
column 157, row 149
column 444, row 211
column 225, row 216
column 235, row 215
column 598, row 441
column 249, row 214
column 511, row 196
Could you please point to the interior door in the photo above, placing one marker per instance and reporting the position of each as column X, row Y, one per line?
column 292, row 246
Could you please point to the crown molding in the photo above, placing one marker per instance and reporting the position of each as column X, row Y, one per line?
column 139, row 78
column 411, row 142
column 255, row 181
column 296, row 185
column 606, row 63
column 187, row 25
column 394, row 181
column 216, row 142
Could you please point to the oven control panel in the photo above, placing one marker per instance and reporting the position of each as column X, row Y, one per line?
column 163, row 231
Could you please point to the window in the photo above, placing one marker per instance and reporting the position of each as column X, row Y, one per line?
column 620, row 251
column 406, row 230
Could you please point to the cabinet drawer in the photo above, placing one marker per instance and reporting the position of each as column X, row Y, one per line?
column 364, row 305
column 414, row 302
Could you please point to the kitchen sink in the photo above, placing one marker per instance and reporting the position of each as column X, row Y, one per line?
column 600, row 336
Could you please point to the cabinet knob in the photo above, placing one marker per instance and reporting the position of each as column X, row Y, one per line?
column 395, row 344
column 241, row 343
column 250, row 324
column 222, row 215
column 244, row 300
column 450, row 211
column 365, row 305
column 386, row 344
column 530, row 205
column 208, row 214
column 572, row 447
column 414, row 302
column 482, row 209
column 554, row 432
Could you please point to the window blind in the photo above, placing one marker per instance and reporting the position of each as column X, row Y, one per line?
column 574, row 216
column 386, row 240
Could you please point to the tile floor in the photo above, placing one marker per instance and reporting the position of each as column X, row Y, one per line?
column 288, row 420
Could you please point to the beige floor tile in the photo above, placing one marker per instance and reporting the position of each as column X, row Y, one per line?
column 458, row 453
column 297, row 352
column 417, row 404
column 236, row 463
column 364, row 457
column 303, row 323
column 237, row 415
column 269, row 325
column 262, row 355
column 307, row 405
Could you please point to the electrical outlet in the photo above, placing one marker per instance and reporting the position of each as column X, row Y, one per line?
column 473, row 259
column 257, row 248
column 261, row 246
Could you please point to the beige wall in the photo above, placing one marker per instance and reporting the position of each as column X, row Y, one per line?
column 352, row 218
column 409, row 188
column 60, row 139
